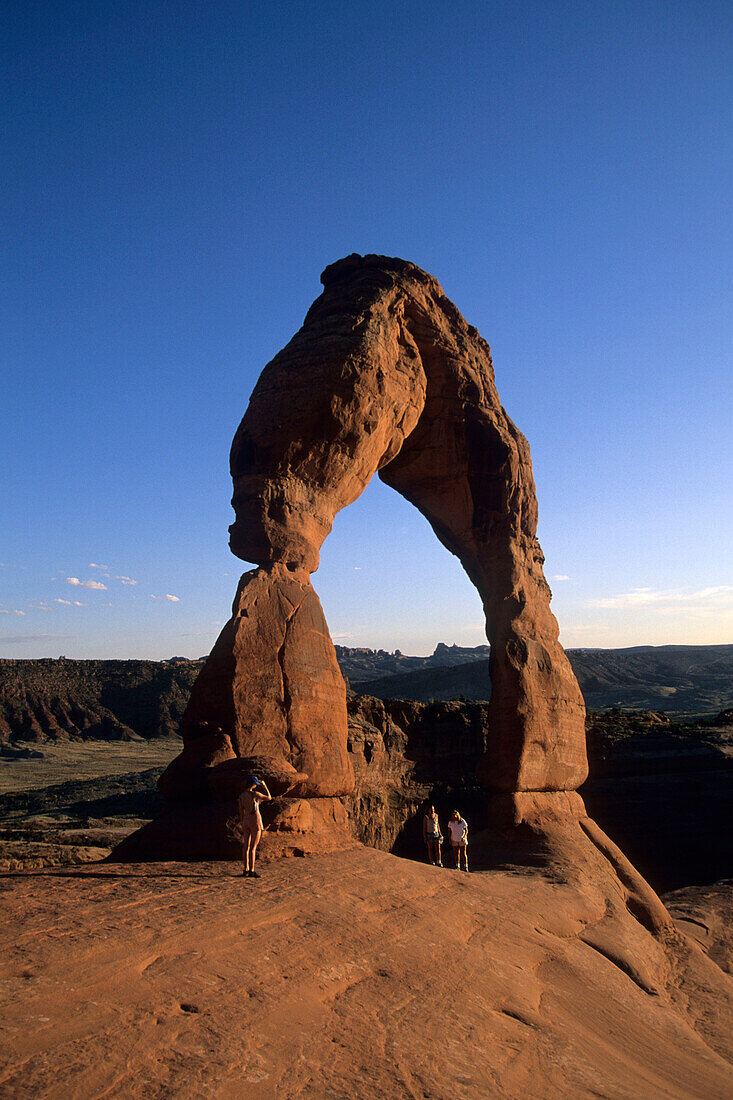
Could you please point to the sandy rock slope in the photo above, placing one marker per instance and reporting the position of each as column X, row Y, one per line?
column 354, row 974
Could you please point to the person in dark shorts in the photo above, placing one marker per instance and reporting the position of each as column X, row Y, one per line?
column 431, row 835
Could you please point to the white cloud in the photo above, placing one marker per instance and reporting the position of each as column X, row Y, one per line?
column 85, row 584
column 126, row 580
column 16, row 612
column 724, row 590
column 94, row 565
column 669, row 598
column 173, row 599
column 561, row 577
column 57, row 599
column 3, row 611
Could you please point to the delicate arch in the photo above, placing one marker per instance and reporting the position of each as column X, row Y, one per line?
column 386, row 375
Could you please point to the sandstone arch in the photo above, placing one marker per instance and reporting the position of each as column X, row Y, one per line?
column 384, row 376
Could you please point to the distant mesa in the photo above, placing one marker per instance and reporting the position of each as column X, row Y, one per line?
column 685, row 681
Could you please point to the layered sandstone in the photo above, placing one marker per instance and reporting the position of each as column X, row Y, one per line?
column 273, row 684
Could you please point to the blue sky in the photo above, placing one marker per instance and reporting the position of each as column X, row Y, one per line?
column 176, row 176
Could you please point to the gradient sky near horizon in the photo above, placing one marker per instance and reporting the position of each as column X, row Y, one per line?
column 176, row 176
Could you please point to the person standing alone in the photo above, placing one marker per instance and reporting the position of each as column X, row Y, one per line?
column 251, row 822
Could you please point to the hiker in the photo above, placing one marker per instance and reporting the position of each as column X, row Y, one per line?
column 458, row 830
column 431, row 836
column 251, row 822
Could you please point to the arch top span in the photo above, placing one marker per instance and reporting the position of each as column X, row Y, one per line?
column 338, row 402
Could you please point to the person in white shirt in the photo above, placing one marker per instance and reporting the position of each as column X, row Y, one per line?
column 458, row 832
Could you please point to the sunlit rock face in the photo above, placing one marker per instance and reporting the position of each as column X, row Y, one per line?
column 273, row 684
column 384, row 376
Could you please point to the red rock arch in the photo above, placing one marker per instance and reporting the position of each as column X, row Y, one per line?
column 384, row 376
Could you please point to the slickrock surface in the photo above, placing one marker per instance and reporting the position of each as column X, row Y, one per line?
column 355, row 975
column 705, row 913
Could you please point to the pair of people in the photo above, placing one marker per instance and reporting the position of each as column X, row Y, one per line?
column 457, row 833
column 250, row 821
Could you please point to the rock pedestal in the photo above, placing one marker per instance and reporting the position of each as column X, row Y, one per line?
column 273, row 684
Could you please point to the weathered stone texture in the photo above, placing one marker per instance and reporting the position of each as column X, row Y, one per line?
column 273, row 684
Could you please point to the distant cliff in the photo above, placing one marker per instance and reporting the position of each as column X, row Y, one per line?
column 681, row 680
column 121, row 700
column 359, row 665
column 62, row 699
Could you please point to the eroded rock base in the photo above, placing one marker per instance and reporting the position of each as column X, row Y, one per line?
column 210, row 831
